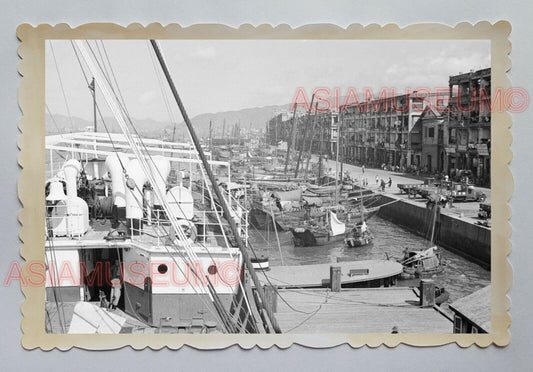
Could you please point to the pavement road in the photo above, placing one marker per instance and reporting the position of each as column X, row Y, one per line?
column 465, row 209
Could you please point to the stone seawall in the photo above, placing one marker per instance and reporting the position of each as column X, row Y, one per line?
column 453, row 233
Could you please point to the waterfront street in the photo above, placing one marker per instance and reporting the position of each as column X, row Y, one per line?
column 468, row 210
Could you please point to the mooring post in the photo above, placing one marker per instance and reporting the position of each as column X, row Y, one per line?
column 271, row 296
column 335, row 278
column 427, row 293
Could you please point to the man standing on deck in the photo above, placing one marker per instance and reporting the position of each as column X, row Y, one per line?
column 116, row 279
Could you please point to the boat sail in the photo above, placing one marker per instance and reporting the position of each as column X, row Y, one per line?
column 176, row 268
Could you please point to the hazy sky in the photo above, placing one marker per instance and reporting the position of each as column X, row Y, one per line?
column 214, row 75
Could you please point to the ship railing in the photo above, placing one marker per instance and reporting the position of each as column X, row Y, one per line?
column 203, row 229
column 66, row 220
column 236, row 202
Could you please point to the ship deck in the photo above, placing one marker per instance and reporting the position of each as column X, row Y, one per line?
column 153, row 237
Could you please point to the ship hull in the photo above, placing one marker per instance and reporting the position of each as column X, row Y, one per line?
column 306, row 238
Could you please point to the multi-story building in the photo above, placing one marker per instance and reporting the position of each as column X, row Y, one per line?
column 434, row 140
column 318, row 129
column 385, row 131
column 468, row 125
column 423, row 132
column 278, row 128
column 324, row 132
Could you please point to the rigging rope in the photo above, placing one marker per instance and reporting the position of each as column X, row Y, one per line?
column 124, row 170
column 54, row 274
column 130, row 139
column 61, row 84
column 163, row 92
column 134, row 142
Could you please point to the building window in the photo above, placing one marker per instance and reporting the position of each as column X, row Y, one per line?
column 431, row 132
column 457, row 324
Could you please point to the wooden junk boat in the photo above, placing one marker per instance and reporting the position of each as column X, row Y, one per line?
column 330, row 227
column 427, row 262
column 327, row 229
column 417, row 264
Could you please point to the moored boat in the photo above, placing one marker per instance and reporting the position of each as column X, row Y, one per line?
column 359, row 236
column 427, row 262
column 418, row 264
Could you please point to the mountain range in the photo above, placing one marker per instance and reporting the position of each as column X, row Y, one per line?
column 254, row 118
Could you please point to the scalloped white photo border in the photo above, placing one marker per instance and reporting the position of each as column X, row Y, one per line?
column 31, row 159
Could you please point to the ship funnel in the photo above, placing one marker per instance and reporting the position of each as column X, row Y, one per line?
column 71, row 170
column 160, row 168
column 56, row 192
column 114, row 164
column 134, row 196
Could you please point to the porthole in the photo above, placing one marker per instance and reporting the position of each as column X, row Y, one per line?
column 212, row 270
column 162, row 269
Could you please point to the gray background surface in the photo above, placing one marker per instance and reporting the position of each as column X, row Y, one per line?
column 516, row 357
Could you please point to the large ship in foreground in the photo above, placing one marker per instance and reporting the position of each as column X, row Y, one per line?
column 131, row 246
column 102, row 210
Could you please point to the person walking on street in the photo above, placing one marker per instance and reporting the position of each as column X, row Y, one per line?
column 382, row 185
column 363, row 168
column 377, row 180
column 390, row 182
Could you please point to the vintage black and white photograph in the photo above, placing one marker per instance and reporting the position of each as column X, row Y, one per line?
column 268, row 186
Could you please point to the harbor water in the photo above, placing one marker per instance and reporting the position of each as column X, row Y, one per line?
column 460, row 277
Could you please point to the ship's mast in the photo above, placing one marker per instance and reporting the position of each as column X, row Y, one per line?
column 306, row 128
column 210, row 136
column 313, row 125
column 92, row 88
column 292, row 139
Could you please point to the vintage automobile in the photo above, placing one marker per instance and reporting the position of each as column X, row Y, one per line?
column 412, row 189
column 484, row 211
column 464, row 192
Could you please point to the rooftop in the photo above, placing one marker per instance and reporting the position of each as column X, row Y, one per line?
column 476, row 307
